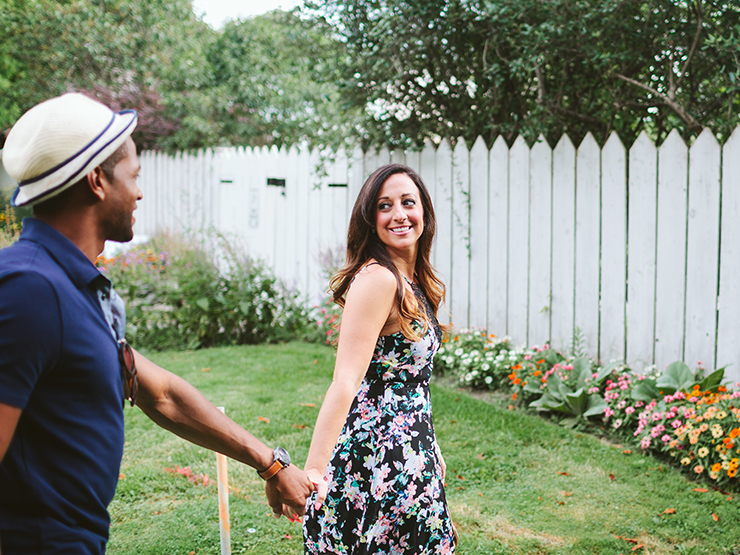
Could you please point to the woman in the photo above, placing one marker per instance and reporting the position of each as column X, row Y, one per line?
column 374, row 457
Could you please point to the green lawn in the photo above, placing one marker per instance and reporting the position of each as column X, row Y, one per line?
column 516, row 483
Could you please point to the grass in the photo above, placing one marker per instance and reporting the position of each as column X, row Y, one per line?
column 516, row 484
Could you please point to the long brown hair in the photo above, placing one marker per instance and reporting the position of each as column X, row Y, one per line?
column 364, row 245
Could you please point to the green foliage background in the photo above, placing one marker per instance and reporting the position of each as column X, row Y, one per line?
column 264, row 80
column 386, row 72
column 469, row 68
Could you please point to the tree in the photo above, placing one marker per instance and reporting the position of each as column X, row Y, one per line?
column 148, row 55
column 275, row 82
column 468, row 68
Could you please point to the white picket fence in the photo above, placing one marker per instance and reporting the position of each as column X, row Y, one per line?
column 637, row 251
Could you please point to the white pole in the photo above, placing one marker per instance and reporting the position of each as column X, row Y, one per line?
column 223, row 501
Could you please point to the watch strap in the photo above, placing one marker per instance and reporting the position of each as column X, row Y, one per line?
column 276, row 466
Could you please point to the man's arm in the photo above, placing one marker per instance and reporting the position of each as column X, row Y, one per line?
column 177, row 406
column 9, row 417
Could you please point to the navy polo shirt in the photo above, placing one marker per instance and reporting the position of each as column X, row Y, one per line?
column 59, row 364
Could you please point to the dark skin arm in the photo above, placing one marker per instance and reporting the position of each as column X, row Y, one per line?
column 178, row 407
column 9, row 417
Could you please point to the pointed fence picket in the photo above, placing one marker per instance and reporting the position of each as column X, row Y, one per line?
column 634, row 252
column 562, row 305
column 613, row 292
column 478, row 203
column 540, row 234
column 643, row 196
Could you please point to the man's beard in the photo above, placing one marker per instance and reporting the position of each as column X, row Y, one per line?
column 120, row 228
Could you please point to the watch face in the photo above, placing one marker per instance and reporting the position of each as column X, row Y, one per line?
column 282, row 455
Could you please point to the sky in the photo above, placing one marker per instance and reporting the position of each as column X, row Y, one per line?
column 218, row 11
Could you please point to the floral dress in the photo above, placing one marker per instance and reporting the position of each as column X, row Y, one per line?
column 386, row 494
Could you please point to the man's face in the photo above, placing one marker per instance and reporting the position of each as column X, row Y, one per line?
column 121, row 197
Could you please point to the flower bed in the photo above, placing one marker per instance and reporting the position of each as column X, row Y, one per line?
column 688, row 417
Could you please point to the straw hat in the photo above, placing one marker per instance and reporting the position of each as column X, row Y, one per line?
column 57, row 142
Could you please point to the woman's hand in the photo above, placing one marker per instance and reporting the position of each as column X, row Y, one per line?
column 442, row 462
column 321, row 487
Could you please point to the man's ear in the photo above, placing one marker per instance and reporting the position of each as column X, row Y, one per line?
column 97, row 182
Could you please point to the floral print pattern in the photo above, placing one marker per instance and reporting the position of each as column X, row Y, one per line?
column 386, row 494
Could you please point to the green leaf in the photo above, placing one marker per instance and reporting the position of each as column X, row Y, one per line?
column 553, row 386
column 582, row 370
column 713, row 380
column 244, row 308
column 577, row 401
column 596, row 406
column 605, row 372
column 548, row 402
column 203, row 303
column 646, row 391
column 677, row 377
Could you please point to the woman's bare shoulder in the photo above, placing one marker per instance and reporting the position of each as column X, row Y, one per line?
column 375, row 276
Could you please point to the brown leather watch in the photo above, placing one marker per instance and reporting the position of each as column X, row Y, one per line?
column 281, row 460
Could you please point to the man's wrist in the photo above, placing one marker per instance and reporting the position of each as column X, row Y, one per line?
column 281, row 459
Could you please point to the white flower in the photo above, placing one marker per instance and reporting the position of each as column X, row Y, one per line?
column 488, row 379
column 485, row 366
column 458, row 352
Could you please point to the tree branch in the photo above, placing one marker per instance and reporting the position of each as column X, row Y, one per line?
column 540, row 83
column 672, row 104
column 576, row 115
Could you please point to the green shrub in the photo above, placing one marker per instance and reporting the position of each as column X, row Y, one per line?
column 191, row 293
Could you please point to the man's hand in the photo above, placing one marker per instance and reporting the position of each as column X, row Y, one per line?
column 287, row 492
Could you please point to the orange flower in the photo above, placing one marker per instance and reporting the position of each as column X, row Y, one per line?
column 512, row 376
column 734, row 433
column 716, row 467
column 541, row 361
column 517, row 381
column 516, row 367
column 514, row 396
column 731, row 473
column 537, row 373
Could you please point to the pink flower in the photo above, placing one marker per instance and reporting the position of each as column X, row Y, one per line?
column 608, row 412
column 645, row 443
column 666, row 438
column 657, row 416
column 629, row 410
column 676, row 423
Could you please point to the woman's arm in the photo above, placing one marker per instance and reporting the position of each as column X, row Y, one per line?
column 367, row 308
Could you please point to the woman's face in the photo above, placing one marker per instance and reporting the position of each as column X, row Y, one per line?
column 399, row 215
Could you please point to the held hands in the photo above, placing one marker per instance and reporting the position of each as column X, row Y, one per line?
column 287, row 492
column 320, row 486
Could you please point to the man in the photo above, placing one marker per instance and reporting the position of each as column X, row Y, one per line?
column 64, row 365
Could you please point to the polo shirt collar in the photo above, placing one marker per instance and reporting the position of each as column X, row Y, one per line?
column 69, row 257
